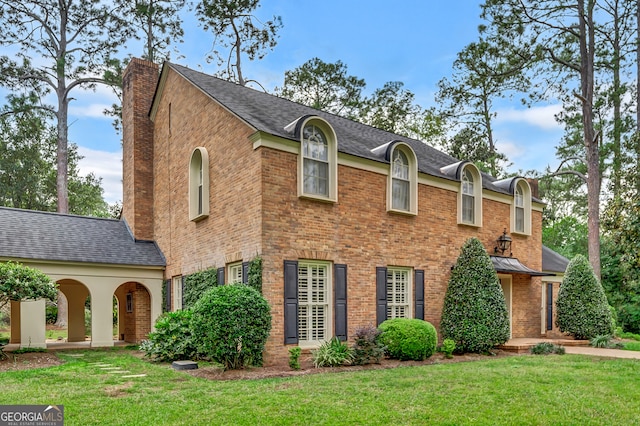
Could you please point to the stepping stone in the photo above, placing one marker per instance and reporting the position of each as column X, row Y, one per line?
column 117, row 372
column 184, row 365
column 109, row 368
column 134, row 375
column 76, row 355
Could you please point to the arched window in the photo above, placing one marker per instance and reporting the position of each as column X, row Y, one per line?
column 470, row 196
column 403, row 178
column 199, row 184
column 317, row 172
column 521, row 211
column 315, row 153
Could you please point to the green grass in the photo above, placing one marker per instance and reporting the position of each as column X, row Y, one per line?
column 631, row 346
column 536, row 390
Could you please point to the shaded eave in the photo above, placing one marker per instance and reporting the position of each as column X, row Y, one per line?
column 512, row 265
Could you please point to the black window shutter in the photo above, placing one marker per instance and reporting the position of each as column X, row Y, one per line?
column 549, row 306
column 221, row 276
column 167, row 295
column 184, row 280
column 245, row 272
column 290, row 301
column 340, row 301
column 419, row 294
column 381, row 294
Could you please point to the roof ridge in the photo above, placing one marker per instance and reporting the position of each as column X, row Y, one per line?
column 58, row 214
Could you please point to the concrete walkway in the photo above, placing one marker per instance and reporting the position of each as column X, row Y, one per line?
column 608, row 353
column 578, row 347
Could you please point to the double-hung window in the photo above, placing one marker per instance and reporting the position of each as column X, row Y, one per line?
column 398, row 293
column 235, row 273
column 400, row 185
column 315, row 153
column 314, row 287
column 519, row 206
column 468, row 197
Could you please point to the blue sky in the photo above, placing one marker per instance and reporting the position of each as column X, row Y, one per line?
column 414, row 42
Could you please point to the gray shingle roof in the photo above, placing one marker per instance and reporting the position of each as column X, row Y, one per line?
column 553, row 261
column 271, row 114
column 34, row 235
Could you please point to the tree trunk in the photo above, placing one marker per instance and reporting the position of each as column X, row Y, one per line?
column 63, row 310
column 587, row 49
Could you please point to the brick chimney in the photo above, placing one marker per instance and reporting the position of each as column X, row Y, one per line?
column 138, row 86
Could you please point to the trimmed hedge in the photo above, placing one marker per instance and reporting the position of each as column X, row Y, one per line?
column 475, row 312
column 408, row 339
column 581, row 308
column 232, row 322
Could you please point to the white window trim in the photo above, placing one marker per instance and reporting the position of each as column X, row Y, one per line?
column 332, row 159
column 232, row 269
column 526, row 194
column 413, row 180
column 410, row 291
column 306, row 344
column 198, row 173
column 176, row 292
column 477, row 196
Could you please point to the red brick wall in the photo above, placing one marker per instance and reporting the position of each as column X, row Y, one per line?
column 137, row 324
column 139, row 82
column 254, row 209
column 187, row 119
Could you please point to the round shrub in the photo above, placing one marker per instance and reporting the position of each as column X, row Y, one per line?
column 408, row 339
column 581, row 308
column 474, row 314
column 231, row 324
column 172, row 340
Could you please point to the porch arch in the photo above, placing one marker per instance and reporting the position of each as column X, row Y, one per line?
column 134, row 312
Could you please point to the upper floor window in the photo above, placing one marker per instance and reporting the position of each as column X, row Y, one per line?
column 199, row 184
column 315, row 152
column 403, row 178
column 470, row 197
column 521, row 210
column 317, row 171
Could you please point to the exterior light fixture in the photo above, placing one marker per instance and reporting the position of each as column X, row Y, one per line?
column 503, row 244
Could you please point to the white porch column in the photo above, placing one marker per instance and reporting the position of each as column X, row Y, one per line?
column 32, row 324
column 101, row 312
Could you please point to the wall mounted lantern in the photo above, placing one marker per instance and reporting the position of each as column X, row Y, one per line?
column 503, row 244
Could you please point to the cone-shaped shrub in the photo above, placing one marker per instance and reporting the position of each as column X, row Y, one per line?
column 475, row 313
column 581, row 308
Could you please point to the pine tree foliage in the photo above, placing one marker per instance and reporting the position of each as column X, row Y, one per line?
column 581, row 308
column 475, row 312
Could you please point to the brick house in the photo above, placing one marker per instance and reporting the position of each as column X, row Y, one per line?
column 354, row 224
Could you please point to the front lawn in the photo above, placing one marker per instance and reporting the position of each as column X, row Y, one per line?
column 566, row 389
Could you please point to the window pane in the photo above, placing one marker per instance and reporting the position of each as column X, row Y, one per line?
column 313, row 302
column 468, row 209
column 400, row 165
column 398, row 297
column 315, row 177
column 314, row 144
column 519, row 219
column 400, row 194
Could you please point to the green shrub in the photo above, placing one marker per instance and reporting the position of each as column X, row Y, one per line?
column 294, row 357
column 581, row 308
column 601, row 341
column 233, row 323
column 196, row 284
column 626, row 335
column 367, row 346
column 629, row 346
column 172, row 339
column 51, row 312
column 408, row 339
column 547, row 348
column 448, row 347
column 18, row 282
column 333, row 353
column 475, row 313
column 254, row 278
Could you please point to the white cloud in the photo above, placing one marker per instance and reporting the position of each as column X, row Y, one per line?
column 93, row 111
column 108, row 166
column 512, row 150
column 539, row 116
